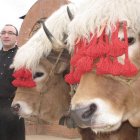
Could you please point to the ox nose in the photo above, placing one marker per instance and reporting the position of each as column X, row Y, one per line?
column 15, row 108
column 83, row 116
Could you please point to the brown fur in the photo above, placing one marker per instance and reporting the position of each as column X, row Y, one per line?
column 126, row 132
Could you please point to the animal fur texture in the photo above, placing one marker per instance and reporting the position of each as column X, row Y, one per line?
column 29, row 54
column 93, row 13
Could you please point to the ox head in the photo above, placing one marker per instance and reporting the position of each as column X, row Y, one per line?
column 102, row 102
column 49, row 99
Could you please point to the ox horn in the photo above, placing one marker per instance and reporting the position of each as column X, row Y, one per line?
column 56, row 44
column 70, row 14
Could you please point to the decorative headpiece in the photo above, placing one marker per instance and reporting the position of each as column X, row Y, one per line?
column 99, row 47
column 23, row 78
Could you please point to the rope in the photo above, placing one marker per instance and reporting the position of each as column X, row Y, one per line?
column 49, row 78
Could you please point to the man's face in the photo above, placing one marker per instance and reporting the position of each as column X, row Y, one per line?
column 8, row 37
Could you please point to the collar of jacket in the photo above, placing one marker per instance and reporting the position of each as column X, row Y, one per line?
column 13, row 49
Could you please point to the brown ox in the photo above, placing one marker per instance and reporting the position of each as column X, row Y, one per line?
column 50, row 99
column 104, row 102
column 55, row 99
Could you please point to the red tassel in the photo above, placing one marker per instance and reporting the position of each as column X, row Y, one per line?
column 85, row 64
column 129, row 69
column 78, row 55
column 97, row 49
column 77, row 75
column 104, row 66
column 27, row 74
column 23, row 78
column 117, row 47
column 69, row 78
column 116, row 67
column 16, row 82
column 18, row 73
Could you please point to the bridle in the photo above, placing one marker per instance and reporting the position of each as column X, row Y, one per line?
column 53, row 85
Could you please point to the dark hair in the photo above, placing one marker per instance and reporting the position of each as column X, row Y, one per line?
column 14, row 27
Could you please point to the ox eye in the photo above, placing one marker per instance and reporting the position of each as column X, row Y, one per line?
column 38, row 74
column 131, row 40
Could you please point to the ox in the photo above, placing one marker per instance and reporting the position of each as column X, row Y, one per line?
column 50, row 98
column 37, row 100
column 104, row 100
column 51, row 106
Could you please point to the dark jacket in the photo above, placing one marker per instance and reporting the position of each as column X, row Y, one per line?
column 11, row 127
column 6, row 58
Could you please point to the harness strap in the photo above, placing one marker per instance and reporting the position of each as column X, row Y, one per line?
column 49, row 78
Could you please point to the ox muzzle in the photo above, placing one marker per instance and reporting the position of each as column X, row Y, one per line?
column 83, row 116
column 15, row 108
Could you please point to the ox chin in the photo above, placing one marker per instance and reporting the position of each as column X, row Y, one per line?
column 21, row 109
column 106, row 128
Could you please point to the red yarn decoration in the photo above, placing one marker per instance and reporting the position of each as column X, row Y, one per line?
column 85, row 54
column 104, row 66
column 69, row 78
column 23, row 78
column 16, row 82
column 19, row 72
column 116, row 67
column 117, row 47
column 129, row 69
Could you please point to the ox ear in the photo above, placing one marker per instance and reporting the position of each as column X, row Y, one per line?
column 135, row 120
column 63, row 63
column 61, row 67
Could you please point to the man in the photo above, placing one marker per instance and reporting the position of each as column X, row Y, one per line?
column 11, row 127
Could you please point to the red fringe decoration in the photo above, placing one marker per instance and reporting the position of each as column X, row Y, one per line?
column 104, row 66
column 69, row 78
column 23, row 78
column 116, row 67
column 117, row 47
column 16, row 82
column 85, row 54
column 19, row 72
column 129, row 69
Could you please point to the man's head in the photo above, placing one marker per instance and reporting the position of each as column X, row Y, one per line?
column 9, row 37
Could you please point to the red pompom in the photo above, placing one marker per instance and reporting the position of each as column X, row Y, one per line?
column 18, row 73
column 23, row 78
column 16, row 82
column 27, row 74
column 116, row 67
column 104, row 66
column 69, row 78
column 77, row 76
column 129, row 69
column 85, row 64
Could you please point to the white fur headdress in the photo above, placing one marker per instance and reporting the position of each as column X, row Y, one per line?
column 93, row 13
column 28, row 55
